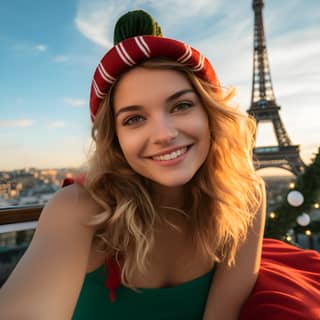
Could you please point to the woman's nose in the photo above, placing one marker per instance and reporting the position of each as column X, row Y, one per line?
column 163, row 131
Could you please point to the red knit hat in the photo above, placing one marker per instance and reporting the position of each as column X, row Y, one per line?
column 138, row 47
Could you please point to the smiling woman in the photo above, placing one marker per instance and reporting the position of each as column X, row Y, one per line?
column 168, row 138
column 162, row 205
column 169, row 147
column 168, row 220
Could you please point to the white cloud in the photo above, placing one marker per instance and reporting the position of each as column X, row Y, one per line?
column 94, row 32
column 23, row 123
column 75, row 102
column 56, row 124
column 27, row 48
column 96, row 19
column 40, row 47
column 182, row 11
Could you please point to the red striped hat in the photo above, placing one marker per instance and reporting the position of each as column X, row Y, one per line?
column 132, row 51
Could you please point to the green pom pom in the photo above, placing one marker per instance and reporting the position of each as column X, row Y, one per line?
column 135, row 23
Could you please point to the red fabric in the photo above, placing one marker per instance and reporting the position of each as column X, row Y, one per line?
column 113, row 279
column 67, row 182
column 288, row 286
column 79, row 179
column 135, row 50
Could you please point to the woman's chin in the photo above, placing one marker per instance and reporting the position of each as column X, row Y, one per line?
column 171, row 183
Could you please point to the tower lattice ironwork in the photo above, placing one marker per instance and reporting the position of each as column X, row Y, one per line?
column 265, row 109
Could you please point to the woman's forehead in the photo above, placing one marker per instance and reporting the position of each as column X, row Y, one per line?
column 151, row 75
column 143, row 83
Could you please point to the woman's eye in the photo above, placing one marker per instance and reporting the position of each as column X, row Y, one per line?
column 132, row 120
column 182, row 106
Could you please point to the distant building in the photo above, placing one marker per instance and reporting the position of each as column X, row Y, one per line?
column 31, row 186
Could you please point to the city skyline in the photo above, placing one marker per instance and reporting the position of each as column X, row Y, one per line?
column 50, row 51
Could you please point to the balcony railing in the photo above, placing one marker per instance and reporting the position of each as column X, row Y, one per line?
column 17, row 225
column 19, row 214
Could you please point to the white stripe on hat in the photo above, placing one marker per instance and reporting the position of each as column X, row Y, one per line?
column 141, row 46
column 104, row 74
column 200, row 65
column 123, row 58
column 145, row 44
column 96, row 92
column 186, row 56
column 123, row 49
column 99, row 93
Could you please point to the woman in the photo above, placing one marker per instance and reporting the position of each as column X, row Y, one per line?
column 170, row 151
column 170, row 205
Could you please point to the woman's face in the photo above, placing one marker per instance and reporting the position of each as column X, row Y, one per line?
column 161, row 125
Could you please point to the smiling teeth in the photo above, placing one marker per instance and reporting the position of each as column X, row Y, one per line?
column 172, row 155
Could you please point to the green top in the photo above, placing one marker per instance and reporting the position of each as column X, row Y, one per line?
column 185, row 301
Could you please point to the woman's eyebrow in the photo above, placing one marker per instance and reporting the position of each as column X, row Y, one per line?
column 178, row 94
column 128, row 109
column 174, row 96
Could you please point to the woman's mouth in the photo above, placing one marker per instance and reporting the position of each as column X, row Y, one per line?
column 172, row 157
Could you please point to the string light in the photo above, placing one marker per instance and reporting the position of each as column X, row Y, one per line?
column 308, row 232
column 289, row 238
column 292, row 185
column 317, row 205
column 272, row 215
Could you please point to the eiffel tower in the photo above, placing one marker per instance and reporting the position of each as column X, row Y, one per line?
column 265, row 109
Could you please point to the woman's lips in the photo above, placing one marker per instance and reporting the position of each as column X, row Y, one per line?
column 172, row 162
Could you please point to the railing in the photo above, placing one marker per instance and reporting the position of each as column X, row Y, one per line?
column 17, row 225
column 19, row 214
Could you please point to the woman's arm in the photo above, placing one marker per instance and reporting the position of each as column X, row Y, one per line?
column 231, row 286
column 47, row 280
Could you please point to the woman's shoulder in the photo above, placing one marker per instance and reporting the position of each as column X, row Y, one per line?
column 74, row 200
column 74, row 191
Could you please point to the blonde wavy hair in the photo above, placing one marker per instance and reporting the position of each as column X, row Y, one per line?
column 225, row 193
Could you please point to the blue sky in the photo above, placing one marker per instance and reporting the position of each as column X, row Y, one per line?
column 49, row 50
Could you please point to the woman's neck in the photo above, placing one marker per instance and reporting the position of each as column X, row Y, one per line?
column 172, row 204
column 174, row 197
